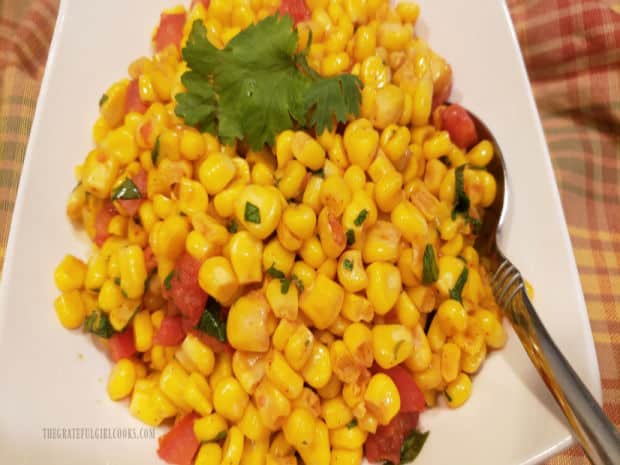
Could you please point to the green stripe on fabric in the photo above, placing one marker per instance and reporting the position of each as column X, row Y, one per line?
column 15, row 124
column 580, row 191
column 9, row 178
column 12, row 151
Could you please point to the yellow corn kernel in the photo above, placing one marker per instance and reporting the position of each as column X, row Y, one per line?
column 229, row 399
column 101, row 128
column 359, row 340
column 193, row 197
column 210, row 427
column 328, row 268
column 113, row 108
column 318, row 452
column 337, row 155
column 380, row 167
column 336, row 413
column 422, row 102
column 274, row 254
column 391, row 344
column 172, row 383
column 322, row 301
column 216, row 171
column 357, row 308
column 453, row 246
column 351, row 272
column 262, row 174
column 335, row 194
column 233, row 447
column 389, row 106
column 121, row 145
column 470, row 363
column 481, row 154
column 251, row 425
column 290, row 179
column 167, row 238
column 258, row 209
column 70, row 309
column 434, row 175
column 272, row 405
column 288, row 240
column 373, row 72
column 143, row 331
column 283, row 376
column 305, row 273
column 381, row 243
column 118, row 226
column 132, row 270
column 298, row 347
column 283, row 332
column 255, row 452
column 249, row 369
column 495, row 336
column 361, row 142
column 250, row 323
column 436, row 336
column 209, row 453
column 279, row 448
column 421, row 357
column 488, row 185
column 451, row 317
column 284, row 304
column 382, row 398
column 246, row 253
column 312, row 252
column 408, row 12
column 300, row 219
column 164, row 206
column 307, row 150
column 407, row 312
column 450, row 268
column 384, row 286
column 224, row 202
column 310, row 401
column 409, row 220
column 217, row 278
column 299, row 427
column 222, row 369
column 394, row 36
column 199, row 247
column 284, row 152
column 70, row 274
column 318, row 369
column 197, row 394
column 90, row 301
column 364, row 43
column 331, row 233
column 349, row 438
column 437, row 146
column 355, row 177
column 458, row 391
column 395, row 141
column 450, row 361
column 150, row 405
column 343, row 363
column 431, row 377
column 98, row 173
column 347, row 457
column 201, row 355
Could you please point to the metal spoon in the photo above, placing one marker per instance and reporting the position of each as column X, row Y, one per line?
column 597, row 435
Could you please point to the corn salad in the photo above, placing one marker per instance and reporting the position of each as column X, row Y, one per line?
column 273, row 301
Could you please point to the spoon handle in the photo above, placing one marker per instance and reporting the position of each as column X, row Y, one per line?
column 597, row 435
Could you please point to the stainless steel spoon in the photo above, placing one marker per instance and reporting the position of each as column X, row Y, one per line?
column 591, row 427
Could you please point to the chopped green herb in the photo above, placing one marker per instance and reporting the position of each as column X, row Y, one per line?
column 457, row 290
column 298, row 283
column 232, row 227
column 412, row 445
column 103, row 99
column 445, row 393
column 155, row 152
column 429, row 265
column 361, row 218
column 217, row 438
column 117, row 281
column 212, row 320
column 126, row 190
column 476, row 224
column 285, row 284
column 252, row 213
column 230, row 91
column 352, row 424
column 168, row 280
column 275, row 273
column 320, row 172
column 347, row 264
column 397, row 347
column 98, row 323
column 124, row 293
column 461, row 201
column 350, row 237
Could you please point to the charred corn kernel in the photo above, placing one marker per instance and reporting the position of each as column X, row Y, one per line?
column 335, row 194
column 336, row 413
column 332, row 389
column 351, row 272
column 407, row 312
column 331, row 234
column 209, row 453
column 328, row 268
column 300, row 219
column 495, row 336
column 318, row 369
column 434, row 174
column 251, row 425
column 209, row 427
column 298, row 347
column 133, row 271
column 422, row 102
column 391, row 344
column 384, row 286
column 233, row 447
column 143, row 331
column 395, row 141
column 450, row 268
column 357, row 308
column 299, row 427
column 197, row 394
column 255, row 452
column 355, row 177
column 312, row 252
column 450, row 361
column 458, row 391
column 274, row 254
column 381, row 243
column 283, row 376
column 451, row 317
column 172, row 384
column 193, row 197
column 318, row 452
column 421, row 356
column 200, row 354
column 382, row 398
column 489, row 188
column 322, row 301
column 229, row 399
column 361, row 142
column 258, row 209
column 272, row 405
column 249, row 369
column 216, row 171
column 310, row 401
column 470, row 363
column 359, row 341
column 121, row 145
column 167, row 238
column 246, row 253
column 250, row 323
column 217, row 278
column 70, row 309
column 431, row 377
column 307, row 150
column 99, row 172
column 222, row 369
column 389, row 106
column 70, row 274
column 388, row 191
column 343, row 363
column 280, row 447
column 481, row 154
column 349, row 438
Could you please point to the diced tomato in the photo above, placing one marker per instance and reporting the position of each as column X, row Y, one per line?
column 459, row 124
column 170, row 30
column 171, row 332
column 179, row 445
column 185, row 292
column 102, row 221
column 149, row 259
column 122, row 345
column 386, row 442
column 205, row 3
column 215, row 344
column 131, row 206
column 133, row 102
column 297, row 9
column 411, row 398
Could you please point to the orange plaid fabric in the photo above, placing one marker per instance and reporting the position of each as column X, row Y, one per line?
column 572, row 50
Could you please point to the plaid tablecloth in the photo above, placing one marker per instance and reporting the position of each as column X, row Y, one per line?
column 572, row 50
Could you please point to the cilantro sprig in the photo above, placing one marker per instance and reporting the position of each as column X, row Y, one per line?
column 260, row 85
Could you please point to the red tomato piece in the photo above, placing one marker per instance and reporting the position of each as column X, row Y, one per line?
column 385, row 444
column 205, row 3
column 122, row 345
column 149, row 259
column 102, row 221
column 170, row 30
column 411, row 398
column 171, row 332
column 131, row 206
column 133, row 102
column 185, row 292
column 179, row 445
column 296, row 9
column 459, row 124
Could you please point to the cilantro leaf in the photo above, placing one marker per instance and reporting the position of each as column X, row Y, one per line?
column 412, row 445
column 252, row 213
column 275, row 273
column 212, row 321
column 285, row 285
column 168, row 280
column 461, row 201
column 352, row 424
column 347, row 264
column 103, row 99
column 98, row 323
column 430, row 272
column 155, row 152
column 350, row 237
column 126, row 190
column 457, row 290
column 361, row 218
column 232, row 227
